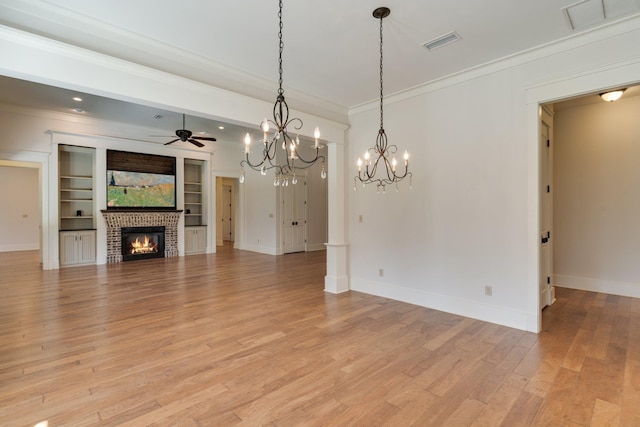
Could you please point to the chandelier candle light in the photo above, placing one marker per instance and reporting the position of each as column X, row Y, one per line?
column 293, row 159
column 378, row 156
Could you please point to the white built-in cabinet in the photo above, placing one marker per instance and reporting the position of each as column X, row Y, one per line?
column 77, row 247
column 195, row 240
column 76, row 212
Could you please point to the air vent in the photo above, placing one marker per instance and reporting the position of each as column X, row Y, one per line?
column 157, row 116
column 587, row 13
column 442, row 40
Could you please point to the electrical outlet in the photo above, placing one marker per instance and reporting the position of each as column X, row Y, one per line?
column 488, row 290
column 381, row 272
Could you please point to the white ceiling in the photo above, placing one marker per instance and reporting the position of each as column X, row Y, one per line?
column 331, row 47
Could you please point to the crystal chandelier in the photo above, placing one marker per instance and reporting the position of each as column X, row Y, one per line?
column 377, row 159
column 285, row 170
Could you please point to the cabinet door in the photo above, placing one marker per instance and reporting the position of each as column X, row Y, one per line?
column 86, row 247
column 201, row 240
column 188, row 240
column 68, row 252
column 195, row 240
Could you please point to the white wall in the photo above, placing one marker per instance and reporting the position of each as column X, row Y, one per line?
column 597, row 197
column 20, row 212
column 472, row 218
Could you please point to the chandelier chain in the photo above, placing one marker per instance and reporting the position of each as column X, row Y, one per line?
column 281, row 48
column 381, row 75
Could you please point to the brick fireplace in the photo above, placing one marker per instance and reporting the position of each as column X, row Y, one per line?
column 116, row 220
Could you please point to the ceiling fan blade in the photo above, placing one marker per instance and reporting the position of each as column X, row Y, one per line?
column 194, row 142
column 161, row 136
column 204, row 138
column 171, row 142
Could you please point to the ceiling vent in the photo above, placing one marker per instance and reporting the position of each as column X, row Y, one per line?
column 442, row 40
column 157, row 116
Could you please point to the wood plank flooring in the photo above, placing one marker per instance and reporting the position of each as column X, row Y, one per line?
column 239, row 338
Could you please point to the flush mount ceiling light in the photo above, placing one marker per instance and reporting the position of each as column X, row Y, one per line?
column 377, row 159
column 293, row 159
column 613, row 95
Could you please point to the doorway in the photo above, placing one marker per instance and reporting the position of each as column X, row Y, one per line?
column 226, row 210
column 20, row 220
column 294, row 219
column 595, row 211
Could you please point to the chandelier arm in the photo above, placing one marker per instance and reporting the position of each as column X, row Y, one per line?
column 293, row 121
column 308, row 163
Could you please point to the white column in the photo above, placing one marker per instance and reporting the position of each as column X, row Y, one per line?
column 337, row 278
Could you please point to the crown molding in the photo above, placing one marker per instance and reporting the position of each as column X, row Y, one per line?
column 615, row 28
column 130, row 47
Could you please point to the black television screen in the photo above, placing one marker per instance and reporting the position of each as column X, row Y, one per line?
column 140, row 190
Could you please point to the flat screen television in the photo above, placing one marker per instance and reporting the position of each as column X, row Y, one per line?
column 127, row 189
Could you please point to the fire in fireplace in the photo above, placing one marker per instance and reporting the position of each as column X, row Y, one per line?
column 142, row 243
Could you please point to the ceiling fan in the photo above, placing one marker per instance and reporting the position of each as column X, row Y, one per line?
column 186, row 135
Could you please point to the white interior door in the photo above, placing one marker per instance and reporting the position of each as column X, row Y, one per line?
column 546, row 288
column 294, row 202
column 227, row 213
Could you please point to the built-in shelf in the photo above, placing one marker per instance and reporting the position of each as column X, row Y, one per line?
column 76, row 166
column 194, row 212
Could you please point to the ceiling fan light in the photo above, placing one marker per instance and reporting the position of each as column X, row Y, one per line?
column 613, row 95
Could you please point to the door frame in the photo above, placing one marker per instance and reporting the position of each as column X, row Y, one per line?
column 547, row 289
column 620, row 74
column 39, row 161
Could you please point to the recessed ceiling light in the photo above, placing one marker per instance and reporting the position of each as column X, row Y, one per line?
column 221, row 127
column 78, row 110
column 77, row 99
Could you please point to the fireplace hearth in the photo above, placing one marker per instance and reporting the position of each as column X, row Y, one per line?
column 142, row 242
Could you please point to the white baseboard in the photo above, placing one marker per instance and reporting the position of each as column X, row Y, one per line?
column 20, row 247
column 455, row 305
column 626, row 289
column 262, row 249
column 311, row 247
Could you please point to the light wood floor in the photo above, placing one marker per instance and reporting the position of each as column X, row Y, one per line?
column 239, row 338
